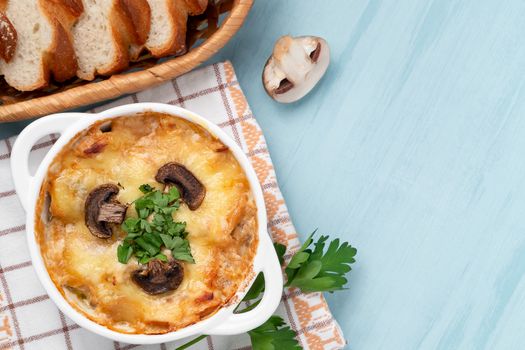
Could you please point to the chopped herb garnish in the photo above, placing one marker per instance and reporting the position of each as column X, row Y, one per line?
column 124, row 252
column 154, row 230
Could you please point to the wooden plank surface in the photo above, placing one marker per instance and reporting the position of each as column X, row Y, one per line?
column 412, row 149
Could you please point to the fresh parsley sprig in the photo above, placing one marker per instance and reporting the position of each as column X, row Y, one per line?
column 309, row 270
column 319, row 271
column 154, row 230
column 274, row 334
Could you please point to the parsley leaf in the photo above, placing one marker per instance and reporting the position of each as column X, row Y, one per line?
column 181, row 250
column 258, row 285
column 256, row 289
column 273, row 335
column 311, row 271
column 154, row 230
column 124, row 252
column 319, row 271
column 145, row 188
column 280, row 249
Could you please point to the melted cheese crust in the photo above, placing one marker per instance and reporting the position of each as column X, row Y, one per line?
column 222, row 231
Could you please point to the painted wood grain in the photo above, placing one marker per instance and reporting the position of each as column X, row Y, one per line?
column 412, row 149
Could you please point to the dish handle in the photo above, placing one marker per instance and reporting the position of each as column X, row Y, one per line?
column 24, row 143
column 244, row 322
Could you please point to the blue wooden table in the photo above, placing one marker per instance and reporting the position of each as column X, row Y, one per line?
column 412, row 149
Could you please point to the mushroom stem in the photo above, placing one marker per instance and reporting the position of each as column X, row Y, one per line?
column 295, row 67
column 292, row 59
column 112, row 212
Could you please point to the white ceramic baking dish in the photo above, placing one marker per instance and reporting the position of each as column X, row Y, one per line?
column 224, row 322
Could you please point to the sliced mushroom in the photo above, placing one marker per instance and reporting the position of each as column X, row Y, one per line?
column 101, row 209
column 295, row 67
column 159, row 277
column 191, row 189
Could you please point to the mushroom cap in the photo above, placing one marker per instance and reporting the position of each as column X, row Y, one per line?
column 98, row 202
column 159, row 277
column 191, row 189
column 295, row 67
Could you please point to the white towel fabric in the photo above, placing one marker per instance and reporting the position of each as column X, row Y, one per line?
column 30, row 320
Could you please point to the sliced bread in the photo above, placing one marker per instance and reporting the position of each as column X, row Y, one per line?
column 168, row 25
column 137, row 17
column 43, row 48
column 105, row 32
column 44, row 39
column 63, row 59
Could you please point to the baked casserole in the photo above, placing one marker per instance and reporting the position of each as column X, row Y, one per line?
column 146, row 223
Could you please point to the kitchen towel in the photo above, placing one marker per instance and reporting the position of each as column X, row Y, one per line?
column 29, row 319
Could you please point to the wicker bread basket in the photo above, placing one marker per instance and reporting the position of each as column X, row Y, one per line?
column 206, row 35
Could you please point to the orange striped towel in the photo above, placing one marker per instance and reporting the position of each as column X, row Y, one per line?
column 29, row 320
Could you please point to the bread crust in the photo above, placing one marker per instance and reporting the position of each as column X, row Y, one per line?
column 120, row 36
column 63, row 61
column 8, row 38
column 136, row 16
column 130, row 23
column 66, row 9
column 178, row 17
column 62, row 58
column 74, row 7
column 196, row 7
column 178, row 11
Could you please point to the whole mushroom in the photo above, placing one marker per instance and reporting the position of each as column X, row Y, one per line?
column 295, row 67
column 101, row 209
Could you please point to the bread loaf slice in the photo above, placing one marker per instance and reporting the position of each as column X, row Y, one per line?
column 63, row 60
column 169, row 23
column 138, row 21
column 43, row 48
column 105, row 32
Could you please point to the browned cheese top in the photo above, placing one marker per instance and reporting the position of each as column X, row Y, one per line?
column 128, row 151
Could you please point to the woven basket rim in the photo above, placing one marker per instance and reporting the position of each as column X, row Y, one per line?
column 129, row 82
